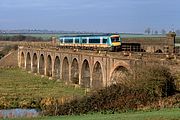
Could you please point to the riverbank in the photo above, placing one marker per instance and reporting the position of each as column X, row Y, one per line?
column 19, row 113
column 164, row 114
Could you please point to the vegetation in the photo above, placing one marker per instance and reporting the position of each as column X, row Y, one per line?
column 152, row 84
column 165, row 114
column 6, row 50
column 154, row 78
column 21, row 38
column 19, row 89
column 148, row 88
column 177, row 40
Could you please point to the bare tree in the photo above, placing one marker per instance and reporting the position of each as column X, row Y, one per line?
column 163, row 31
column 148, row 30
column 156, row 32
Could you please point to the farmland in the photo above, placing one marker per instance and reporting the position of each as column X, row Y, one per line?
column 18, row 86
column 22, row 89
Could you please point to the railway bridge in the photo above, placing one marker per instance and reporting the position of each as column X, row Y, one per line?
column 90, row 69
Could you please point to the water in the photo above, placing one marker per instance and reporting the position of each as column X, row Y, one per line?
column 19, row 113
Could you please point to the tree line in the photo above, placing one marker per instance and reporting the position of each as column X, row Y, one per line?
column 156, row 32
column 21, row 38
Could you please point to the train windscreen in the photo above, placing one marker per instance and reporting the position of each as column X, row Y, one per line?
column 115, row 39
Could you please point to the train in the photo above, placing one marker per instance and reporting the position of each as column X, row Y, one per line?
column 110, row 42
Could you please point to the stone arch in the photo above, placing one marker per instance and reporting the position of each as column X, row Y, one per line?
column 35, row 62
column 65, row 70
column 49, row 66
column 57, row 68
column 22, row 60
column 85, row 74
column 159, row 51
column 41, row 64
column 75, row 72
column 97, row 76
column 118, row 75
column 28, row 62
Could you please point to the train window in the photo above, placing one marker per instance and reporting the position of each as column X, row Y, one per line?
column 84, row 40
column 76, row 40
column 94, row 40
column 115, row 39
column 104, row 40
column 68, row 40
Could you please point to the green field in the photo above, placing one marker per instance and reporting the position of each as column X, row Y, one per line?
column 177, row 40
column 18, row 85
column 166, row 114
column 45, row 36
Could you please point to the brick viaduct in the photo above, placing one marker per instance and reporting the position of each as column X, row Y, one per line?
column 88, row 69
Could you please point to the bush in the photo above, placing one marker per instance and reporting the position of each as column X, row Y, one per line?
column 154, row 78
column 6, row 50
column 20, row 38
column 147, row 84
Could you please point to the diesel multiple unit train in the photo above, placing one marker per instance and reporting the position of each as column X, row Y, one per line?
column 93, row 42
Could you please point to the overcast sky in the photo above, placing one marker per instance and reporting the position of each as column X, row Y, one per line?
column 90, row 15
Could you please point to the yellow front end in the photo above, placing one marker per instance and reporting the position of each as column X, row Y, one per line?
column 116, row 43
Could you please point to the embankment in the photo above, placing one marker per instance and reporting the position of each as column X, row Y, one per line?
column 10, row 60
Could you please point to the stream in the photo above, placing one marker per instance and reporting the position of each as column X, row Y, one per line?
column 19, row 113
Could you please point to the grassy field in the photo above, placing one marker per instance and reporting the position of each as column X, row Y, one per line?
column 45, row 36
column 177, row 40
column 17, row 84
column 166, row 114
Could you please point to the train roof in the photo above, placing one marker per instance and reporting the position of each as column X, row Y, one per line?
column 90, row 35
column 122, row 35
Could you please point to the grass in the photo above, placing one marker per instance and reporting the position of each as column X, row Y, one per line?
column 177, row 39
column 165, row 114
column 18, row 84
column 44, row 36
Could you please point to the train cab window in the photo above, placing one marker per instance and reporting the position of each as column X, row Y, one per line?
column 115, row 39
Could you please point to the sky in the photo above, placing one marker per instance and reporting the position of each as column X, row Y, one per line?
column 132, row 16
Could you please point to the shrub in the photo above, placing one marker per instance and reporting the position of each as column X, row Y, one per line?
column 153, row 78
column 6, row 50
column 147, row 84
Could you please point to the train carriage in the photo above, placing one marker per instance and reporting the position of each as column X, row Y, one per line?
column 101, row 42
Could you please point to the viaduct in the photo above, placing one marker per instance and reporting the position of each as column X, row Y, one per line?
column 89, row 69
